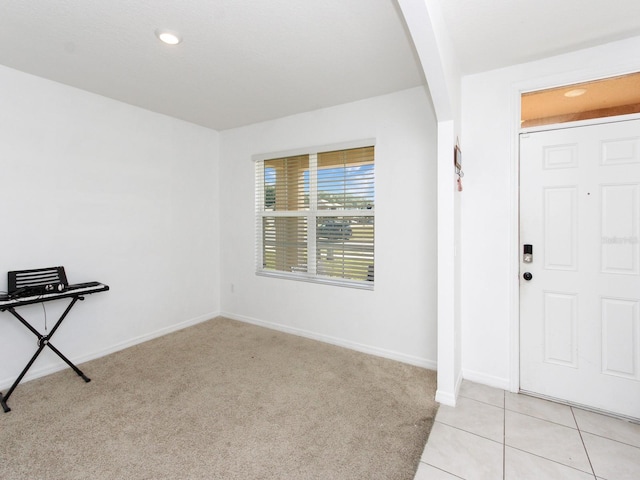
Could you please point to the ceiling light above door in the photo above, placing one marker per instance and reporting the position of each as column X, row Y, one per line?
column 576, row 92
column 169, row 37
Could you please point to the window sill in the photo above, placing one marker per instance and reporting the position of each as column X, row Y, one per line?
column 315, row 279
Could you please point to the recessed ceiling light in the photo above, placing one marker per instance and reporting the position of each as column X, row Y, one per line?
column 576, row 92
column 169, row 37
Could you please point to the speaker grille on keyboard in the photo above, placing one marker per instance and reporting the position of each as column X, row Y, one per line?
column 40, row 278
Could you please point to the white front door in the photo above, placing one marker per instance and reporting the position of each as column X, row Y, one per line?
column 580, row 309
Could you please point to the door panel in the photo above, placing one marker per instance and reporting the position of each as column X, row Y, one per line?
column 619, row 338
column 560, row 228
column 620, row 216
column 560, row 328
column 580, row 311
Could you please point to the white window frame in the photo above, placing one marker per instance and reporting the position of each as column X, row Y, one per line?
column 312, row 215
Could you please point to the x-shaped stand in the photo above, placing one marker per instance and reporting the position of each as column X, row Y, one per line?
column 43, row 341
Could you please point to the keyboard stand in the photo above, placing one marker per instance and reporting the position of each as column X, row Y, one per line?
column 44, row 340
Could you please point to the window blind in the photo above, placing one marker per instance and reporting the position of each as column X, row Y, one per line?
column 315, row 216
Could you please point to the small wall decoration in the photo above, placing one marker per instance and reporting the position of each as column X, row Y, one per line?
column 457, row 161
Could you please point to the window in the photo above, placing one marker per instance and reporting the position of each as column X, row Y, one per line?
column 315, row 216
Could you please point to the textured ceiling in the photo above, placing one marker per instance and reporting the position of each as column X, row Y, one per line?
column 245, row 61
column 489, row 34
column 240, row 61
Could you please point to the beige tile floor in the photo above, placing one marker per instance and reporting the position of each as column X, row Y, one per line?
column 493, row 434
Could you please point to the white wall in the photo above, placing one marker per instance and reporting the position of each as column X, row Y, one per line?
column 398, row 318
column 490, row 111
column 116, row 194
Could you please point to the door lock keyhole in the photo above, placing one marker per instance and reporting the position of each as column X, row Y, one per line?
column 527, row 276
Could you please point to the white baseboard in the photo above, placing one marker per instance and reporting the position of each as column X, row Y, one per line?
column 47, row 370
column 446, row 398
column 488, row 380
column 450, row 398
column 359, row 347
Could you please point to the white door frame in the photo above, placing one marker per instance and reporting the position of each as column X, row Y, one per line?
column 517, row 89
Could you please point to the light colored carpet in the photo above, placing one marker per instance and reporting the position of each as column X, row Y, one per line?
column 222, row 400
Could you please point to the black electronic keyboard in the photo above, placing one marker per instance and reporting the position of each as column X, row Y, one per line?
column 26, row 298
column 38, row 286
